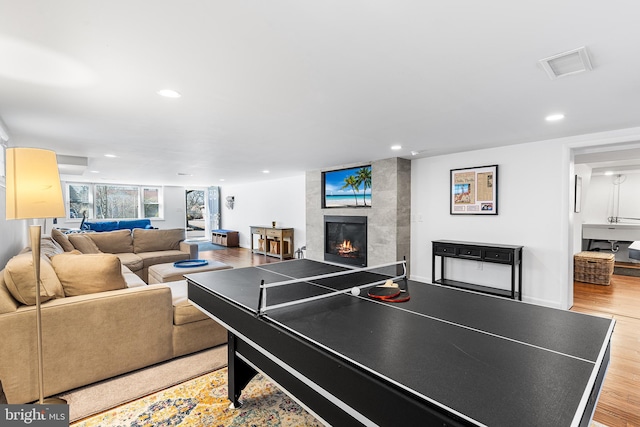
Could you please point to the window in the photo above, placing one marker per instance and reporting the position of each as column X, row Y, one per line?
column 151, row 202
column 113, row 201
column 79, row 197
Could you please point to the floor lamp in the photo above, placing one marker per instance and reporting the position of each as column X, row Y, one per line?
column 34, row 192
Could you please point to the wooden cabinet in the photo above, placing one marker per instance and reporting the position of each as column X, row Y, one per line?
column 499, row 254
column 272, row 241
column 225, row 238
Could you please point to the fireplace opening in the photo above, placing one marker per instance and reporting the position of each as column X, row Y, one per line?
column 345, row 240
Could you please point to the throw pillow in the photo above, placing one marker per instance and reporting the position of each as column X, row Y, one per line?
column 19, row 277
column 49, row 247
column 157, row 240
column 83, row 243
column 88, row 273
column 62, row 240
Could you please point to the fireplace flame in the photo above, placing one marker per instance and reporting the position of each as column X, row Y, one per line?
column 347, row 249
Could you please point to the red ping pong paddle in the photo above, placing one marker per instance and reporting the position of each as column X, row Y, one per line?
column 403, row 296
column 383, row 292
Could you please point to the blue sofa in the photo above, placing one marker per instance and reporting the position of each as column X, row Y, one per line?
column 123, row 224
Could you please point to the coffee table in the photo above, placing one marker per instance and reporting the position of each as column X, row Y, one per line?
column 163, row 273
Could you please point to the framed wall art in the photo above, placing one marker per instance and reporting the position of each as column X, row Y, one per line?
column 474, row 191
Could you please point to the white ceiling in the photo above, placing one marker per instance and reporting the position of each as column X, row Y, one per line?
column 290, row 85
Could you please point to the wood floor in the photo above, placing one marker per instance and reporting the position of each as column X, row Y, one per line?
column 619, row 404
column 237, row 257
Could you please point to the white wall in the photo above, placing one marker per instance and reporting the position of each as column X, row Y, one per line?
column 14, row 234
column 532, row 212
column 602, row 194
column 175, row 214
column 260, row 203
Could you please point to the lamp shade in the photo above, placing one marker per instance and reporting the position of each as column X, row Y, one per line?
column 33, row 184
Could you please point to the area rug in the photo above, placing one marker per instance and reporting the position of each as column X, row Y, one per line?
column 99, row 397
column 203, row 402
column 208, row 246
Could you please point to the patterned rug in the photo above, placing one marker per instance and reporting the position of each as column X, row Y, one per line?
column 203, row 402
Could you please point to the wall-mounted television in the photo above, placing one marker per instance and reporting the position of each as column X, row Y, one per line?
column 347, row 188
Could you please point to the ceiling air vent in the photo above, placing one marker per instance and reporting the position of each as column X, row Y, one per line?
column 567, row 63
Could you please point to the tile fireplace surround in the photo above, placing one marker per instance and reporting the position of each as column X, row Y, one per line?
column 388, row 218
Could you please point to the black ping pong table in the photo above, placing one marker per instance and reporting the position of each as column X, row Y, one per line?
column 446, row 357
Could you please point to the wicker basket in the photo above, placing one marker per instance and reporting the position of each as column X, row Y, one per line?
column 593, row 267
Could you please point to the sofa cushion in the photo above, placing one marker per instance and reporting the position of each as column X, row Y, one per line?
column 62, row 240
column 8, row 303
column 132, row 279
column 88, row 273
column 183, row 311
column 20, row 279
column 113, row 242
column 132, row 261
column 157, row 240
column 83, row 243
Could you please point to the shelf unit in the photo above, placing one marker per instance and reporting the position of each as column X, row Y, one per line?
column 484, row 252
column 272, row 241
column 227, row 238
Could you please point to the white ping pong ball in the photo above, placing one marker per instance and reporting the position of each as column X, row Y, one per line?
column 355, row 291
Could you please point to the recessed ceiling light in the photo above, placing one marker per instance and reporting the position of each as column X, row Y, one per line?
column 265, row 171
column 396, row 147
column 554, row 117
column 111, row 156
column 168, row 93
column 608, row 173
column 221, row 179
column 95, row 171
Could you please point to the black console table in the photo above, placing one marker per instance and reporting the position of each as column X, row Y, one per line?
column 484, row 252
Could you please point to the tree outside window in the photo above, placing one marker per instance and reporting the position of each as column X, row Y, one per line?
column 116, row 202
column 79, row 201
column 113, row 201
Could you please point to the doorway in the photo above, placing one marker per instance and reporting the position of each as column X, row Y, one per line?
column 195, row 214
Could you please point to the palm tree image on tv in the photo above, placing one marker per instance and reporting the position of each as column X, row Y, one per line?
column 364, row 178
column 347, row 187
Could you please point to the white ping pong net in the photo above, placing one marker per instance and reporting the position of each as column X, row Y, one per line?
column 381, row 270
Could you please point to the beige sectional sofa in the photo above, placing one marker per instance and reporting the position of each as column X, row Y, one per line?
column 137, row 249
column 99, row 319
